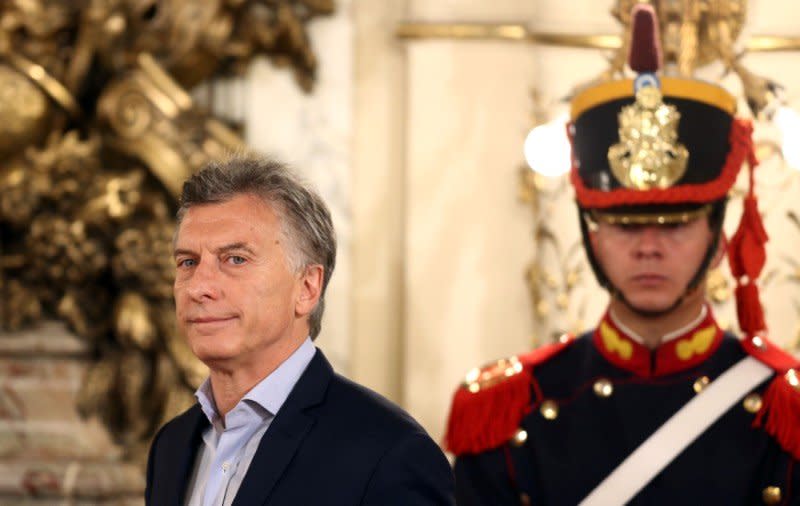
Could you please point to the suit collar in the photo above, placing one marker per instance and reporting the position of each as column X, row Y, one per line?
column 285, row 434
column 180, row 452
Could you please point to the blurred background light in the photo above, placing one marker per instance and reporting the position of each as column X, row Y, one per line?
column 547, row 149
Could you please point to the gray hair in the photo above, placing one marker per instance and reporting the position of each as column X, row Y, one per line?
column 305, row 219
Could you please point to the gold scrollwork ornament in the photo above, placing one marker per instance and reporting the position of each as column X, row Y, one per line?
column 648, row 154
column 99, row 131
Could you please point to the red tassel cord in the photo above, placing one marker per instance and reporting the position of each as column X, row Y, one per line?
column 747, row 256
column 748, row 309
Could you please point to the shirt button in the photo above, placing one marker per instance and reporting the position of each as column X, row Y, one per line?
column 226, row 466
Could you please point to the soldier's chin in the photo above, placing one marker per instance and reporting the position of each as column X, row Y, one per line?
column 653, row 312
column 650, row 307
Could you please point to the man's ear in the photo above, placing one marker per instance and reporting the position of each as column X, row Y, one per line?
column 310, row 289
column 722, row 248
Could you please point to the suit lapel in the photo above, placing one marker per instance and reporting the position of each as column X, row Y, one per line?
column 179, row 456
column 287, row 431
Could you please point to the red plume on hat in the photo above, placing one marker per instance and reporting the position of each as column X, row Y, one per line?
column 645, row 51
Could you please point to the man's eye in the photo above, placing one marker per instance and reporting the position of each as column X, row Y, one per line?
column 236, row 260
column 186, row 262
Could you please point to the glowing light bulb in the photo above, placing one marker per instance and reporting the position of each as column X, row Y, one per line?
column 547, row 148
column 788, row 122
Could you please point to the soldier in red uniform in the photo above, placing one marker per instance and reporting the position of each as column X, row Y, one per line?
column 657, row 405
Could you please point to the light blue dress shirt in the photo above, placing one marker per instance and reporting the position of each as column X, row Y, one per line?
column 228, row 448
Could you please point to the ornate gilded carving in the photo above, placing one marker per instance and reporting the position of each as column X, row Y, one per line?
column 558, row 267
column 693, row 32
column 27, row 103
column 648, row 154
column 98, row 133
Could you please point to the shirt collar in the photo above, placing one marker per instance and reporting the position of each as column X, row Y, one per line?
column 669, row 336
column 271, row 392
column 206, row 399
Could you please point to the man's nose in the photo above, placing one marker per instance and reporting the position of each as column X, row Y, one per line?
column 649, row 241
column 204, row 282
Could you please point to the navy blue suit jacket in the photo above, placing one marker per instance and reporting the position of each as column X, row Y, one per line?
column 333, row 442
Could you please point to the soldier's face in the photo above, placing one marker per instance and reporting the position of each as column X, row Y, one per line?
column 652, row 264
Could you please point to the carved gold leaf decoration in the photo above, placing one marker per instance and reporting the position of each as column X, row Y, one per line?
column 98, row 134
column 718, row 287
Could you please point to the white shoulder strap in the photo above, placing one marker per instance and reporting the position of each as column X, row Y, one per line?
column 677, row 433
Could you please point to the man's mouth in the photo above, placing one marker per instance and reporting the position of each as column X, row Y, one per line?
column 648, row 278
column 210, row 319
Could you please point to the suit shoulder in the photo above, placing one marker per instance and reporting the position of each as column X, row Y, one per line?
column 363, row 406
column 492, row 400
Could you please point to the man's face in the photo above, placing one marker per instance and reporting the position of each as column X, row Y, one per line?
column 237, row 298
column 651, row 264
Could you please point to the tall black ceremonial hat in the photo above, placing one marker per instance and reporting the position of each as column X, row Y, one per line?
column 657, row 150
column 658, row 145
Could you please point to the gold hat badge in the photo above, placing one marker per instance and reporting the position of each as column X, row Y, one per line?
column 648, row 154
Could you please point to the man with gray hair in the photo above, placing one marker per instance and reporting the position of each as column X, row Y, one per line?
column 254, row 251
